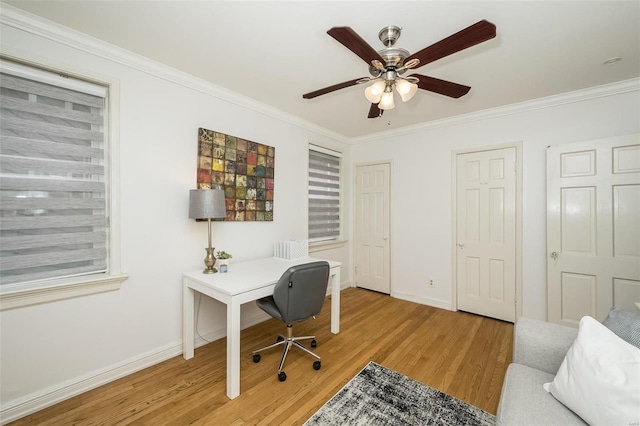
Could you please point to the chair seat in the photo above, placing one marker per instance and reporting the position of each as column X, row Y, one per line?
column 268, row 305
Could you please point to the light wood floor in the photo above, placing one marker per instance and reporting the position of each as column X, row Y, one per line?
column 458, row 353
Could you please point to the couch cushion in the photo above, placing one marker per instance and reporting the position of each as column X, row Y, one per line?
column 541, row 345
column 599, row 378
column 524, row 402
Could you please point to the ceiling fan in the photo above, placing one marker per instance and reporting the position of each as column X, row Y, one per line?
column 389, row 64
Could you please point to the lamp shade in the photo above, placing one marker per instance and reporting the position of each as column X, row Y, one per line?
column 406, row 89
column 374, row 92
column 207, row 204
column 386, row 101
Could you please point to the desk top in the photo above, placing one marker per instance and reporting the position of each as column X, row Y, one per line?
column 250, row 275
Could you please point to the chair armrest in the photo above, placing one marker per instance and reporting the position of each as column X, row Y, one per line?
column 541, row 345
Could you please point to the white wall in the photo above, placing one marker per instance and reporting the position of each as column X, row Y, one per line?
column 421, row 203
column 52, row 349
column 77, row 342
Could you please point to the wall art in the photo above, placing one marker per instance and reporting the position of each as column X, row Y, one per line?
column 244, row 169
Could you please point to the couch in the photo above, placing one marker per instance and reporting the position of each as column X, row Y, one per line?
column 538, row 353
column 538, row 350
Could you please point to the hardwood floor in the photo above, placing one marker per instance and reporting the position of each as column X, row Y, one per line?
column 458, row 353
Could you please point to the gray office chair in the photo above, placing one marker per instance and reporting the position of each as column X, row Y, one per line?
column 298, row 295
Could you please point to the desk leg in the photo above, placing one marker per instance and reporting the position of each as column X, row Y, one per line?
column 187, row 321
column 335, row 301
column 233, row 349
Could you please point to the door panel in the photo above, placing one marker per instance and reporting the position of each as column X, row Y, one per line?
column 578, row 296
column 473, row 277
column 496, row 215
column 496, row 280
column 578, row 212
column 486, row 233
column 372, row 227
column 626, row 220
column 626, row 293
column 472, row 229
column 593, row 228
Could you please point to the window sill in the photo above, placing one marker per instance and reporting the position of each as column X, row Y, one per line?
column 16, row 296
column 326, row 245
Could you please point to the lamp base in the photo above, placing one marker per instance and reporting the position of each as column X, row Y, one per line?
column 209, row 261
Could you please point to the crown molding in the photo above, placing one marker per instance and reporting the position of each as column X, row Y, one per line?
column 41, row 27
column 36, row 25
column 625, row 86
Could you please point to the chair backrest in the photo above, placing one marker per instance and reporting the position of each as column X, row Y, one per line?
column 300, row 292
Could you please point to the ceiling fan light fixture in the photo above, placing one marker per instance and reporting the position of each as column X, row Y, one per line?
column 386, row 66
column 405, row 89
column 386, row 100
column 374, row 92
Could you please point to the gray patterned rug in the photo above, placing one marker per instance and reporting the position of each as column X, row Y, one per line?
column 380, row 396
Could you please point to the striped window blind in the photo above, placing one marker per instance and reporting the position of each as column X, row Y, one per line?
column 53, row 206
column 324, row 194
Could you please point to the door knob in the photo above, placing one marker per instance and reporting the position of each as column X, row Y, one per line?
column 461, row 245
column 554, row 255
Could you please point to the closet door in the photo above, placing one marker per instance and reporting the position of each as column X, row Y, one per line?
column 486, row 233
column 593, row 228
column 373, row 261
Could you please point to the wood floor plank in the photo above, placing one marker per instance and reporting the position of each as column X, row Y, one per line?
column 459, row 353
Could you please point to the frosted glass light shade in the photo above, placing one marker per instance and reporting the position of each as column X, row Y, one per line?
column 406, row 90
column 374, row 92
column 386, row 101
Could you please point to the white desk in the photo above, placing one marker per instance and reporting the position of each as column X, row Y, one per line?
column 245, row 282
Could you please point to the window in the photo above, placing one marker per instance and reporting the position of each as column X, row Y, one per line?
column 324, row 194
column 54, row 210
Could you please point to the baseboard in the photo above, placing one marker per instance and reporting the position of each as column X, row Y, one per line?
column 55, row 394
column 214, row 335
column 58, row 393
column 342, row 287
column 436, row 303
column 39, row 400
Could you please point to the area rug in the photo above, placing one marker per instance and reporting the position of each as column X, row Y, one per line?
column 380, row 396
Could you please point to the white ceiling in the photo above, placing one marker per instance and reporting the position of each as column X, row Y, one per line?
column 274, row 51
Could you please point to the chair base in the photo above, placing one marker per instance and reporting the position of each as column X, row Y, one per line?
column 289, row 341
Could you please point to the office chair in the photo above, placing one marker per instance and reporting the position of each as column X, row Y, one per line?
column 298, row 295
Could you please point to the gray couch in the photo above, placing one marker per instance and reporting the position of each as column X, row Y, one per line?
column 538, row 350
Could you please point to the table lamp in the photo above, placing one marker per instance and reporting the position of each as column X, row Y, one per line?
column 207, row 204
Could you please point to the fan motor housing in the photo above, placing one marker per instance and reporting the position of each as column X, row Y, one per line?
column 393, row 57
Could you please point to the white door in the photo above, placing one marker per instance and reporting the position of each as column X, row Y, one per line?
column 372, row 227
column 593, row 228
column 486, row 233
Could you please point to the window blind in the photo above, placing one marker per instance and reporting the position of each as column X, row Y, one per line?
column 53, row 215
column 324, row 195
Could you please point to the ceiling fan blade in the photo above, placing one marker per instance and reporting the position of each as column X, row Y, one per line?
column 329, row 89
column 443, row 87
column 470, row 36
column 352, row 41
column 374, row 111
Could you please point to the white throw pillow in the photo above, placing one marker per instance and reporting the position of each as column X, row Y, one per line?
column 599, row 379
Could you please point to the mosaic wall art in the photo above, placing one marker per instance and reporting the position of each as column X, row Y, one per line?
column 244, row 169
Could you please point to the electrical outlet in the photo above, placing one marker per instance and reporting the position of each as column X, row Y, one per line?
column 430, row 283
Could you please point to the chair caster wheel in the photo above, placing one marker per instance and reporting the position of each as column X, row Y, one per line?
column 317, row 365
column 256, row 358
column 282, row 376
column 279, row 339
column 314, row 344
